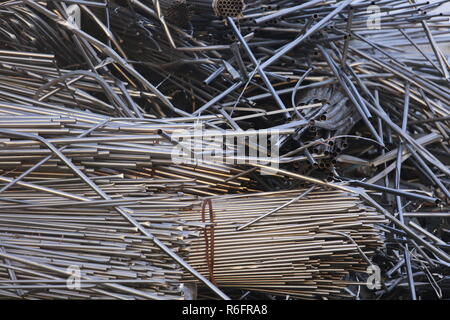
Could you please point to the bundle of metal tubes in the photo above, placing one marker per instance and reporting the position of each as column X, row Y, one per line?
column 93, row 95
column 52, row 221
column 279, row 243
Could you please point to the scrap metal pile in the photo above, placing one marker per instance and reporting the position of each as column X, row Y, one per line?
column 95, row 95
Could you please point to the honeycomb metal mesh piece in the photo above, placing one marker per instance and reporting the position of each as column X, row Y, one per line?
column 228, row 8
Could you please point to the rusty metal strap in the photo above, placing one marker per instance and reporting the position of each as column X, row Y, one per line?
column 209, row 241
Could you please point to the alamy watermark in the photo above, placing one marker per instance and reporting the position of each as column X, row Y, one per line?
column 200, row 146
column 73, row 282
column 374, row 280
column 375, row 14
column 374, row 19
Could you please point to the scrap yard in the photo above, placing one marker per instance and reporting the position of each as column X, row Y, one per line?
column 224, row 149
